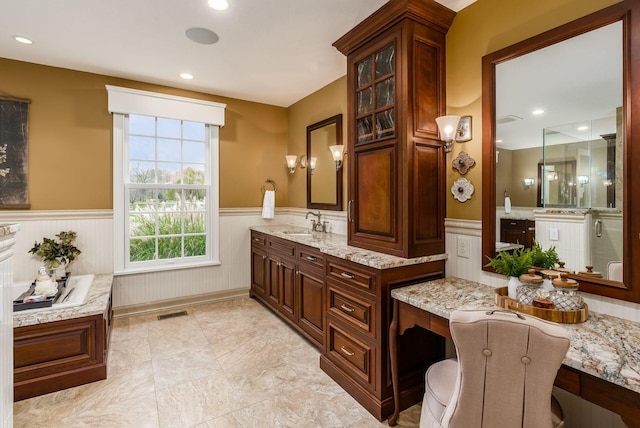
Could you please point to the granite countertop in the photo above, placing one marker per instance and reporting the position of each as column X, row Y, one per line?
column 8, row 229
column 604, row 346
column 95, row 303
column 336, row 245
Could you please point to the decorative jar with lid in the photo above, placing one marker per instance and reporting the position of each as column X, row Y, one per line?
column 565, row 296
column 530, row 288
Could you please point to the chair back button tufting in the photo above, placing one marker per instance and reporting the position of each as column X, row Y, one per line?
column 487, row 352
column 525, row 360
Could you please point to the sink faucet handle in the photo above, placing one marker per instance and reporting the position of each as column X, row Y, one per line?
column 313, row 224
column 325, row 226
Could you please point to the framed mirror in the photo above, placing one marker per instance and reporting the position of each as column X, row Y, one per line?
column 597, row 171
column 324, row 182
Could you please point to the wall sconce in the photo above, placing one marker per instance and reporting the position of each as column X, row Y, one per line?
column 528, row 182
column 454, row 128
column 292, row 161
column 338, row 154
column 312, row 164
column 583, row 179
column 447, row 126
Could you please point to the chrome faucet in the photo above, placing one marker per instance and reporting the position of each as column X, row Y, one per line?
column 316, row 226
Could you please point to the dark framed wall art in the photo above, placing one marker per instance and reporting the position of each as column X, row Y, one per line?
column 14, row 153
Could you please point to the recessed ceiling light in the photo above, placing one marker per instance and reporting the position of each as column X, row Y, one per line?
column 23, row 39
column 201, row 35
column 186, row 76
column 218, row 4
column 583, row 128
column 537, row 112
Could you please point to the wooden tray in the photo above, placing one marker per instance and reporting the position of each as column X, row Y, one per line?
column 566, row 317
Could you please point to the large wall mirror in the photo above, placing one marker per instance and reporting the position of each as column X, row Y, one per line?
column 324, row 183
column 559, row 115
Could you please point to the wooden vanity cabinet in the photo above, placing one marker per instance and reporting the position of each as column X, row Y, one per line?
column 518, row 231
column 395, row 90
column 356, row 343
column 288, row 277
column 56, row 355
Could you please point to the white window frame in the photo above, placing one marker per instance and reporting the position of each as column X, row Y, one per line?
column 125, row 101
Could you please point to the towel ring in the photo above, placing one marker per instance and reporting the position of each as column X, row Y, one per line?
column 273, row 183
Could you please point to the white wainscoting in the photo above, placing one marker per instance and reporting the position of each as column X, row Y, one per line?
column 578, row 412
column 573, row 244
column 7, row 245
column 154, row 290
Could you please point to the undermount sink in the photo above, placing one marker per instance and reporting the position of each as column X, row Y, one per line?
column 304, row 233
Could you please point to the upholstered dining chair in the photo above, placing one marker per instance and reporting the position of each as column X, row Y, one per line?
column 502, row 377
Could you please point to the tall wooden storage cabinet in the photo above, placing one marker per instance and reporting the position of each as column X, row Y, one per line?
column 396, row 83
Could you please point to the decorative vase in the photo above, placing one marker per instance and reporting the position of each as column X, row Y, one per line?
column 512, row 287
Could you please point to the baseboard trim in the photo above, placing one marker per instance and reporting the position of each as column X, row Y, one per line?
column 179, row 303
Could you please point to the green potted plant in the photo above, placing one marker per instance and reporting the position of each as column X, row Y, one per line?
column 57, row 252
column 512, row 265
column 544, row 259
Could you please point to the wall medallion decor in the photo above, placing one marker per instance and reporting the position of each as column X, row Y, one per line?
column 462, row 189
column 462, row 163
column 13, row 153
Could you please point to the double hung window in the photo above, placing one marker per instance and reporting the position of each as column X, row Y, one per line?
column 165, row 189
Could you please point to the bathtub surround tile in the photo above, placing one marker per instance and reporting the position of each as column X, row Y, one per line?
column 229, row 364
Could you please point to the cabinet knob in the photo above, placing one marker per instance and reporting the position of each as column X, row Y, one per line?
column 312, row 259
column 264, row 257
column 346, row 351
column 346, row 275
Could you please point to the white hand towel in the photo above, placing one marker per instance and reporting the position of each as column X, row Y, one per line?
column 269, row 204
column 507, row 205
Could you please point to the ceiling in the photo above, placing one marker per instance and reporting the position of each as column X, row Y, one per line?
column 576, row 82
column 269, row 51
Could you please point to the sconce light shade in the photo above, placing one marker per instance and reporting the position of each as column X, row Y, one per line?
column 528, row 182
column 337, row 152
column 292, row 160
column 447, row 126
column 312, row 164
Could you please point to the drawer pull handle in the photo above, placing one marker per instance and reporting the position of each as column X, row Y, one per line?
column 513, row 224
column 257, row 239
column 346, row 351
column 346, row 308
column 346, row 275
column 264, row 257
column 311, row 258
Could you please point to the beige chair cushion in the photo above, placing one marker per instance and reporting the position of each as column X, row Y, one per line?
column 504, row 376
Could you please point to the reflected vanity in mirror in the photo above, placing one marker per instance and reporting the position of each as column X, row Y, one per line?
column 557, row 112
column 324, row 183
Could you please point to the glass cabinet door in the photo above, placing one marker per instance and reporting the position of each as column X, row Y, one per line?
column 376, row 96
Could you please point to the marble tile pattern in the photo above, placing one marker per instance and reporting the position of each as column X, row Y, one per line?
column 604, row 346
column 95, row 303
column 231, row 364
column 336, row 245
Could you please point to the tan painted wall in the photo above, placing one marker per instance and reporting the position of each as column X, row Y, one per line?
column 479, row 29
column 322, row 104
column 70, row 147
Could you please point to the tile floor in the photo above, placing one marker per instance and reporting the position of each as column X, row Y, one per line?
column 229, row 364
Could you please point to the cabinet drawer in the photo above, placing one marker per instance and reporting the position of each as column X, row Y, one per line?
column 258, row 240
column 350, row 275
column 311, row 256
column 351, row 354
column 356, row 311
column 281, row 246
